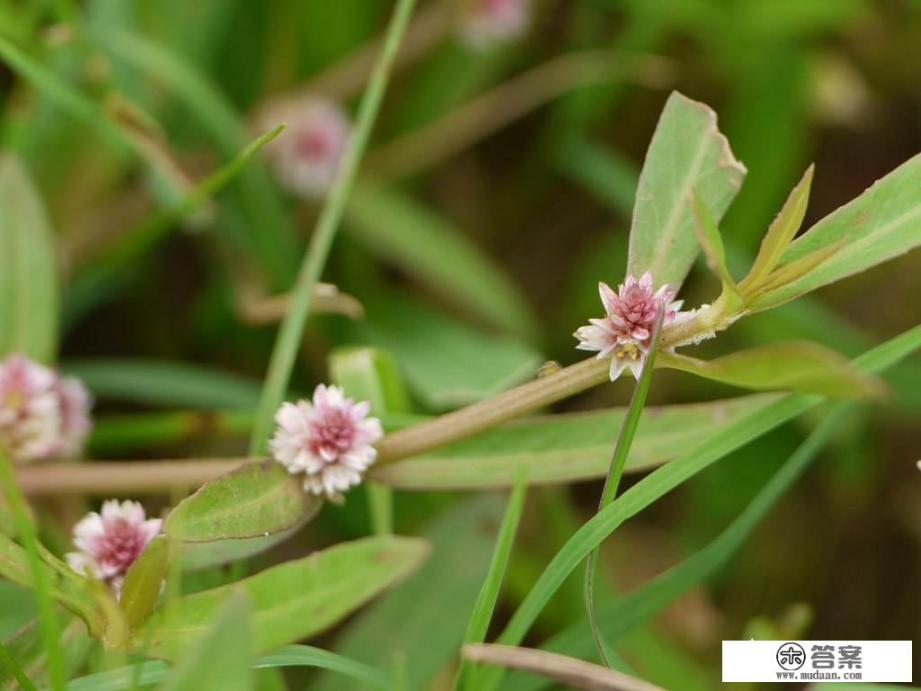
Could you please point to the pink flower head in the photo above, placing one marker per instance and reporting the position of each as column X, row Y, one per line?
column 306, row 156
column 328, row 439
column 485, row 23
column 109, row 542
column 625, row 332
column 42, row 415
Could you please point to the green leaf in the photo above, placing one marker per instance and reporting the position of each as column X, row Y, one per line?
column 568, row 447
column 401, row 230
column 781, row 232
column 687, row 153
column 880, row 224
column 793, row 365
column 147, row 673
column 708, row 234
column 629, row 611
column 418, row 628
column 238, row 514
column 665, row 479
column 485, row 605
column 143, row 582
column 292, row 601
column 7, row 661
column 28, row 277
column 446, row 362
column 164, row 383
column 221, row 658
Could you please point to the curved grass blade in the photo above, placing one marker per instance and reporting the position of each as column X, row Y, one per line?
column 615, row 472
column 292, row 327
column 631, row 610
column 147, row 673
column 485, row 605
column 671, row 476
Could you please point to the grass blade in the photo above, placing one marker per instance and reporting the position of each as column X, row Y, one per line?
column 665, row 479
column 615, row 472
column 636, row 607
column 288, row 656
column 489, row 594
column 48, row 620
column 289, row 336
column 7, row 661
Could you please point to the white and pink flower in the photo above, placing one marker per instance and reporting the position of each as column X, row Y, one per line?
column 42, row 415
column 328, row 440
column 307, row 155
column 486, row 23
column 110, row 541
column 625, row 332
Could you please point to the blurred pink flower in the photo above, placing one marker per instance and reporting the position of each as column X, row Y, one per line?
column 109, row 542
column 306, row 156
column 485, row 23
column 625, row 332
column 328, row 439
column 42, row 415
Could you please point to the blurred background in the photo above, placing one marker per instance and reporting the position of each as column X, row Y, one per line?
column 496, row 193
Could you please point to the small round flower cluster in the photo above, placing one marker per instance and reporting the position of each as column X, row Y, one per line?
column 328, row 440
column 110, row 541
column 307, row 155
column 487, row 23
column 42, row 415
column 625, row 332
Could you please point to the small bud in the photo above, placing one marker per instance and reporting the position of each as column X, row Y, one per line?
column 109, row 542
column 42, row 415
column 328, row 440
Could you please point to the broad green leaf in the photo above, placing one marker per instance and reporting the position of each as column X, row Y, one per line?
column 419, row 628
column 221, row 658
column 369, row 374
column 629, row 611
column 793, row 365
column 568, row 447
column 781, row 232
column 401, row 230
column 665, row 479
column 446, row 363
column 687, row 153
column 164, row 383
column 240, row 513
column 28, row 275
column 145, row 673
column 291, row 601
column 882, row 223
column 143, row 582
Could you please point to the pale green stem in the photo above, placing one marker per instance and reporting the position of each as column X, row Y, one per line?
column 292, row 328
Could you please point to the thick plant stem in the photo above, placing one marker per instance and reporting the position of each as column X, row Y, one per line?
column 292, row 328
